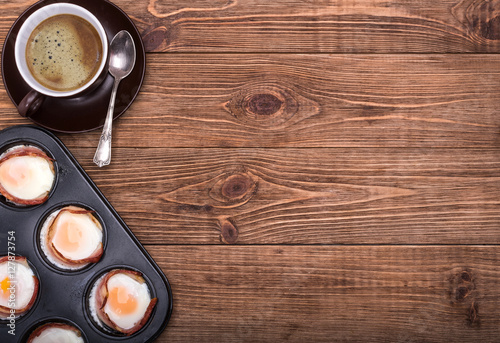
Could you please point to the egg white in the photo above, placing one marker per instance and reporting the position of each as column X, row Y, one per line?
column 57, row 335
column 92, row 301
column 90, row 240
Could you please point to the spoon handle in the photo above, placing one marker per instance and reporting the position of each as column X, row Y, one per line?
column 102, row 155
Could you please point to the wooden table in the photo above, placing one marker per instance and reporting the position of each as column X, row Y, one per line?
column 312, row 171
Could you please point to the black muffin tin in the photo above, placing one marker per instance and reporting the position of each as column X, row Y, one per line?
column 62, row 295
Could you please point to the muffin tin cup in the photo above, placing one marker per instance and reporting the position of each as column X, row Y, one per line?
column 62, row 294
column 95, row 283
column 48, row 320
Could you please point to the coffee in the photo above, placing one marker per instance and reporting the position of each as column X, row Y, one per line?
column 64, row 52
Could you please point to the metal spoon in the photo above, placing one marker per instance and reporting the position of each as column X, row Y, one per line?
column 121, row 63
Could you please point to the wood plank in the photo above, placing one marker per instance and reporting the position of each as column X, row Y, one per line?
column 304, row 196
column 332, row 293
column 308, row 26
column 310, row 101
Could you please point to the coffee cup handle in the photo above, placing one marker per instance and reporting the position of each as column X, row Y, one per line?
column 30, row 103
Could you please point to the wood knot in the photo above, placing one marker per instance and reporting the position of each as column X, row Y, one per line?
column 236, row 186
column 228, row 231
column 463, row 285
column 465, row 276
column 464, row 295
column 462, row 292
column 490, row 29
column 234, row 189
column 264, row 104
column 482, row 18
column 155, row 39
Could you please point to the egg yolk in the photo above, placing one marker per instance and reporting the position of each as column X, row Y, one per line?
column 4, row 286
column 121, row 301
column 68, row 236
column 14, row 172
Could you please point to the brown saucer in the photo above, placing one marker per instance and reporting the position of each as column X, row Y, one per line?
column 88, row 111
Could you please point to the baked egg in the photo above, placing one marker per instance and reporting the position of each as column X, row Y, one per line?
column 56, row 333
column 121, row 300
column 72, row 238
column 26, row 175
column 18, row 286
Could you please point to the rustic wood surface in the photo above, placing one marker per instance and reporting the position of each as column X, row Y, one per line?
column 331, row 293
column 312, row 170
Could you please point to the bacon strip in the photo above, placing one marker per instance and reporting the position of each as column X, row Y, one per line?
column 36, row 201
column 101, row 298
column 24, row 150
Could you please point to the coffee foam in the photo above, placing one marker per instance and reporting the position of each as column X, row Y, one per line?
column 64, row 52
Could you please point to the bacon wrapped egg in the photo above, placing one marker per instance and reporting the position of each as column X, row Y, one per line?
column 56, row 332
column 18, row 286
column 26, row 175
column 122, row 301
column 72, row 238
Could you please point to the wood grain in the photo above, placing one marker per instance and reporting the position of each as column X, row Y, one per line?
column 304, row 196
column 308, row 101
column 332, row 294
column 297, row 26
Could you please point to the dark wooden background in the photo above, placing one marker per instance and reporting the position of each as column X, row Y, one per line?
column 313, row 170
